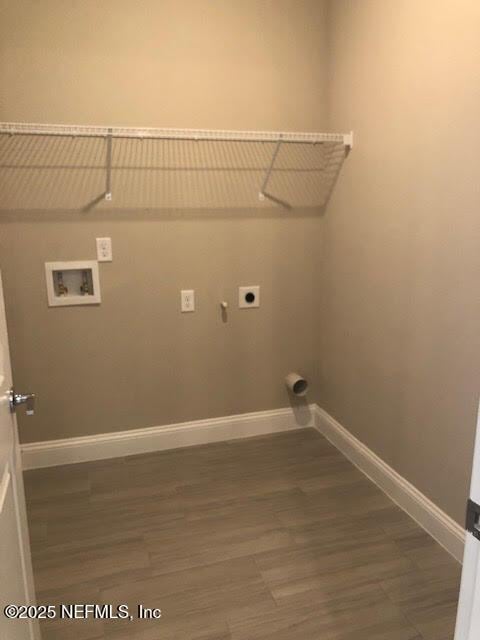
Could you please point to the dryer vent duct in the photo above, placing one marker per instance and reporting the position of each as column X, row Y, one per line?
column 296, row 384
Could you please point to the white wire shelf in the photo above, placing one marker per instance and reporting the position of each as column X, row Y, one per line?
column 19, row 128
column 266, row 157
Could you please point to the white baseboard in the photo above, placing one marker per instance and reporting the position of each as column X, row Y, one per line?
column 435, row 521
column 36, row 455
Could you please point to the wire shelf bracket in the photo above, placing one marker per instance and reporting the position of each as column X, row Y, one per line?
column 108, row 169
column 263, row 189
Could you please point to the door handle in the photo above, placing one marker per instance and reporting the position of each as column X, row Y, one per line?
column 28, row 399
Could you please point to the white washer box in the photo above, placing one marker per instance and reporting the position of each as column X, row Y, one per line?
column 72, row 283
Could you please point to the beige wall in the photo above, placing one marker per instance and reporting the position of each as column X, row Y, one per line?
column 396, row 331
column 135, row 361
column 167, row 63
column 400, row 307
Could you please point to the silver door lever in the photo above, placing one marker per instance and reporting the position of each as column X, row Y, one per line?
column 27, row 399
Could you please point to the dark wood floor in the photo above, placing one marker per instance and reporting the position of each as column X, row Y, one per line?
column 277, row 537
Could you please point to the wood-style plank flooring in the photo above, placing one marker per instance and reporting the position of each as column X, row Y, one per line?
column 272, row 538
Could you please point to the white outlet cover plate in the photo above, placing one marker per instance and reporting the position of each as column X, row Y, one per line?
column 187, row 300
column 245, row 294
column 104, row 250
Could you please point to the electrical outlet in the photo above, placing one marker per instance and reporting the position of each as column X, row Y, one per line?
column 187, row 300
column 104, row 250
column 249, row 297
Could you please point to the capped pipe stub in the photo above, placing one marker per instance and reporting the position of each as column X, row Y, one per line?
column 296, row 384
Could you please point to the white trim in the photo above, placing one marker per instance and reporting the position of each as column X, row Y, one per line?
column 4, row 484
column 468, row 617
column 469, row 590
column 436, row 522
column 52, row 453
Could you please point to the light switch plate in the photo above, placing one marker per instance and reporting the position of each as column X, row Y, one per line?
column 104, row 250
column 249, row 297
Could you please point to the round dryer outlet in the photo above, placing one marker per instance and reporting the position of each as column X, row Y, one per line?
column 249, row 297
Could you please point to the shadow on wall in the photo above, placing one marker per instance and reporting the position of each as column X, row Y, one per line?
column 63, row 173
column 302, row 410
